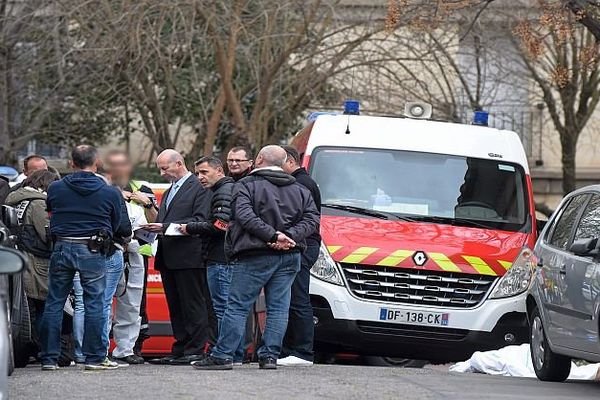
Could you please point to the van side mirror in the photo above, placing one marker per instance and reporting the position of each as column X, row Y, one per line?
column 11, row 261
column 585, row 247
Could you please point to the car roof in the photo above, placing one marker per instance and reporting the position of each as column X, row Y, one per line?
column 585, row 189
column 417, row 135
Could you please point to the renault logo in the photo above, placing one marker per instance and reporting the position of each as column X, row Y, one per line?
column 420, row 258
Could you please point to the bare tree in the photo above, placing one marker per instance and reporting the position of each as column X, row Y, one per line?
column 563, row 61
column 31, row 72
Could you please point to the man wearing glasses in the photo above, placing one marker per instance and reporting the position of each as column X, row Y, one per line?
column 239, row 162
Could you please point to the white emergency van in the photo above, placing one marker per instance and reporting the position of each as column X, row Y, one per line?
column 427, row 233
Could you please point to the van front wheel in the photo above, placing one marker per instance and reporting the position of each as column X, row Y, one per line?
column 548, row 366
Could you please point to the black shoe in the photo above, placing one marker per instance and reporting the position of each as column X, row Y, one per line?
column 186, row 360
column 210, row 363
column 131, row 360
column 267, row 363
column 163, row 360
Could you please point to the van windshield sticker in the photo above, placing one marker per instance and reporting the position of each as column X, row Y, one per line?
column 504, row 167
column 343, row 151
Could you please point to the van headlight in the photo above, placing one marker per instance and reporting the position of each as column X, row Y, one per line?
column 518, row 277
column 326, row 269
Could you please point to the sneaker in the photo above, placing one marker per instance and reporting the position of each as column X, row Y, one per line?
column 267, row 363
column 293, row 361
column 50, row 367
column 131, row 360
column 213, row 363
column 238, row 363
column 104, row 365
column 120, row 362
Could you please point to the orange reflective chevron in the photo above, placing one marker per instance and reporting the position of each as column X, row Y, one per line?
column 461, row 263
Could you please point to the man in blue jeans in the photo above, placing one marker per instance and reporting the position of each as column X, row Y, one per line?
column 113, row 273
column 219, row 271
column 85, row 214
column 271, row 218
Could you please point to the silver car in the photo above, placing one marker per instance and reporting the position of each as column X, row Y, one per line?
column 564, row 298
column 11, row 262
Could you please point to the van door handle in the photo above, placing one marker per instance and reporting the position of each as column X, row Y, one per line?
column 563, row 269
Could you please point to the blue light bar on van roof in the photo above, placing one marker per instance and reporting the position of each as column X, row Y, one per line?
column 314, row 115
column 351, row 107
column 480, row 118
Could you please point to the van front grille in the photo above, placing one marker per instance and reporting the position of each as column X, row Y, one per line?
column 417, row 286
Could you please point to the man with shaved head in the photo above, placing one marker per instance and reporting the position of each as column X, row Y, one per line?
column 271, row 218
column 181, row 263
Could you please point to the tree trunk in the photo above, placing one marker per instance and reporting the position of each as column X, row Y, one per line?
column 213, row 123
column 7, row 154
column 569, row 150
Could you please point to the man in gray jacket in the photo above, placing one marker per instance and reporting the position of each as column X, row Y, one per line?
column 271, row 219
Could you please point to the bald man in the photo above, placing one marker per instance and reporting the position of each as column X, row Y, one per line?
column 181, row 263
column 271, row 218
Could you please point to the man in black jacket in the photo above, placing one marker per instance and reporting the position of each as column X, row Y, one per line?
column 180, row 261
column 298, row 341
column 239, row 162
column 271, row 219
column 212, row 176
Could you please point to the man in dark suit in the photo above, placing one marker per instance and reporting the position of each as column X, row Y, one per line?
column 180, row 261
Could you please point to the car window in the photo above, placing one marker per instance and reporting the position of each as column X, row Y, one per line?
column 564, row 226
column 589, row 226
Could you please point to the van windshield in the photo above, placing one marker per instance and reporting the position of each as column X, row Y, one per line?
column 422, row 187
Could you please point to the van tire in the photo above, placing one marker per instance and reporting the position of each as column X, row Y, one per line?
column 548, row 365
column 394, row 362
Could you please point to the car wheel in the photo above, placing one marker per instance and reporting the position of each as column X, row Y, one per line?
column 548, row 365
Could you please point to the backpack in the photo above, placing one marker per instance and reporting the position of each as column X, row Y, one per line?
column 27, row 237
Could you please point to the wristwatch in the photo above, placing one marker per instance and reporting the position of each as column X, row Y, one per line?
column 149, row 205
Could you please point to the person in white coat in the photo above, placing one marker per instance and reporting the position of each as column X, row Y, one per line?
column 126, row 317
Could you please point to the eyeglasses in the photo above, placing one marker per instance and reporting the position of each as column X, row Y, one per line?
column 232, row 161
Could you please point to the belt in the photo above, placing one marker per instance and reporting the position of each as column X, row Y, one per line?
column 73, row 240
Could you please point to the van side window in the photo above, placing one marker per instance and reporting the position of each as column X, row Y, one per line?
column 589, row 226
column 563, row 228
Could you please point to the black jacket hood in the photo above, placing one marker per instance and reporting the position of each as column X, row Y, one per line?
column 84, row 183
column 275, row 176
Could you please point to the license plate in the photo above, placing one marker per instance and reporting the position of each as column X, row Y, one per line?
column 413, row 317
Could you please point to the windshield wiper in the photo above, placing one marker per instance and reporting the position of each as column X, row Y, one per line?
column 451, row 221
column 366, row 211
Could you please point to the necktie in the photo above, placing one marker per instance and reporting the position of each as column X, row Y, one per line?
column 172, row 193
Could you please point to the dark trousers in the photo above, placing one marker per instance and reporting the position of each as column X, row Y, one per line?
column 298, row 340
column 192, row 317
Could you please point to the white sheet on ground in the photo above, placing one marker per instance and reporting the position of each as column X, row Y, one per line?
column 515, row 361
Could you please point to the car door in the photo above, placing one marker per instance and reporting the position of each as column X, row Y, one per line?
column 553, row 257
column 581, row 284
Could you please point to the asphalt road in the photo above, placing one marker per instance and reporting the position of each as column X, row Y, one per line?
column 317, row 382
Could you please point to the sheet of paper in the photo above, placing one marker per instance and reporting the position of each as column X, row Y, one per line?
column 173, row 230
